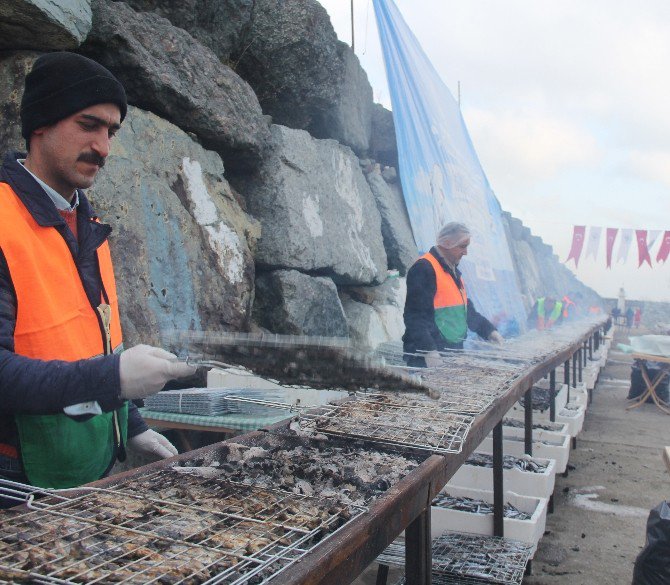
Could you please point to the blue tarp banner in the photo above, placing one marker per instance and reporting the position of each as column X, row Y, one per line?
column 440, row 172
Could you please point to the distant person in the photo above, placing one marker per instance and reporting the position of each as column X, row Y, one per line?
column 616, row 314
column 569, row 308
column 629, row 317
column 546, row 313
column 637, row 317
column 438, row 312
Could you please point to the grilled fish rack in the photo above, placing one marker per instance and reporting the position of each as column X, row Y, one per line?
column 469, row 559
column 158, row 530
column 317, row 362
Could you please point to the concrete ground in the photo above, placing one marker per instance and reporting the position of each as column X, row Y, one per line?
column 601, row 508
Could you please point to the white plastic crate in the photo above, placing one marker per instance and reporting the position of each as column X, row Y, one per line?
column 573, row 419
column 527, row 483
column 558, row 451
column 529, row 531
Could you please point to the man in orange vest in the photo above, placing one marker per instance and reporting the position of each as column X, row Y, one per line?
column 438, row 312
column 66, row 384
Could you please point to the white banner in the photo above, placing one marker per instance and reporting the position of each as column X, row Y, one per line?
column 593, row 242
column 624, row 245
column 652, row 236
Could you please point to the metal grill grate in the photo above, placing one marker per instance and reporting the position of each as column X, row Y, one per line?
column 381, row 420
column 470, row 558
column 158, row 530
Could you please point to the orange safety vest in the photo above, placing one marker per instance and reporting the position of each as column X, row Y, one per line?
column 450, row 303
column 56, row 321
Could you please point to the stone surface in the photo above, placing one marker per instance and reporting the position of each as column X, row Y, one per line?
column 383, row 145
column 181, row 240
column 290, row 302
column 166, row 71
column 13, row 68
column 375, row 313
column 44, row 25
column 303, row 76
column 399, row 242
column 217, row 24
column 539, row 271
column 317, row 211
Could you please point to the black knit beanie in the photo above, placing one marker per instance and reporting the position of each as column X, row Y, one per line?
column 61, row 84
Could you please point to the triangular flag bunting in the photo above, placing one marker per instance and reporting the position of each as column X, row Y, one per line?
column 594, row 242
column 577, row 243
column 611, row 237
column 624, row 245
column 663, row 251
column 642, row 251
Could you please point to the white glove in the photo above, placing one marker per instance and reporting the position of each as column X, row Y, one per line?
column 144, row 370
column 495, row 337
column 433, row 359
column 153, row 444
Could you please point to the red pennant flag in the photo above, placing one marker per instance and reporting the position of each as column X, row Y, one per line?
column 611, row 237
column 664, row 250
column 577, row 243
column 642, row 250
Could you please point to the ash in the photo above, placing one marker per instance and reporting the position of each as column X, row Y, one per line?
column 346, row 472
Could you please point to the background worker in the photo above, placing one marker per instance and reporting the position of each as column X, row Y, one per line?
column 65, row 383
column 546, row 313
column 438, row 312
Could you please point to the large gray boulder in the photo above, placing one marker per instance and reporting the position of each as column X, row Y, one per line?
column 217, row 24
column 290, row 302
column 181, row 240
column 44, row 25
column 399, row 242
column 303, row 76
column 166, row 71
column 375, row 313
column 317, row 211
column 14, row 66
column 383, row 144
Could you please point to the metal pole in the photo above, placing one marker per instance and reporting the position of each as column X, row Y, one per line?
column 552, row 395
column 418, row 552
column 498, row 496
column 580, row 365
column 566, row 375
column 591, row 347
column 528, row 420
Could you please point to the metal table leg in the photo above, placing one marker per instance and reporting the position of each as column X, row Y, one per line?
column 552, row 396
column 498, row 495
column 528, row 420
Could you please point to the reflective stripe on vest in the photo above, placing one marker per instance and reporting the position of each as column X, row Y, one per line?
column 55, row 321
column 450, row 304
column 542, row 321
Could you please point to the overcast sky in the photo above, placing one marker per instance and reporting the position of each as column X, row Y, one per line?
column 567, row 104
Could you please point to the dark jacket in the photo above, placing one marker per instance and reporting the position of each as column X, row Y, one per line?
column 421, row 332
column 30, row 386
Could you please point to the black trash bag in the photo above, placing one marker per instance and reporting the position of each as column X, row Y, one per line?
column 638, row 387
column 652, row 566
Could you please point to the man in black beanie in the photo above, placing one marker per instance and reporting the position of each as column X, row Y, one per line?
column 66, row 385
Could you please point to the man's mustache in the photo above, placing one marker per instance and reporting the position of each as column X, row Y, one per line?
column 93, row 158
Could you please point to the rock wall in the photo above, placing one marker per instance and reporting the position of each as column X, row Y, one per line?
column 252, row 183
